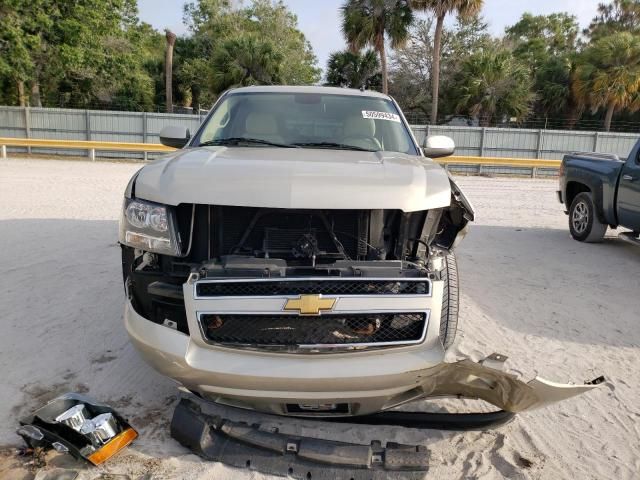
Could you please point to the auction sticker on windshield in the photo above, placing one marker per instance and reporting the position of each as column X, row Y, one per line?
column 381, row 116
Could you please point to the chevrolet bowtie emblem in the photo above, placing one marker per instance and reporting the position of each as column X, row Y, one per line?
column 310, row 304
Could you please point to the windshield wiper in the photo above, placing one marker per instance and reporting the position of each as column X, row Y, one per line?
column 339, row 146
column 239, row 140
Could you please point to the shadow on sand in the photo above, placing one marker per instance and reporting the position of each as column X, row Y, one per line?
column 532, row 279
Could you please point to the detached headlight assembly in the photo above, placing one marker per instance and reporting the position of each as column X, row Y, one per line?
column 149, row 226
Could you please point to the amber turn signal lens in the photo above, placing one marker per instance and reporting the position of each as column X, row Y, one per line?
column 113, row 446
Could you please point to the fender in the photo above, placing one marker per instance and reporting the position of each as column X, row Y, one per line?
column 602, row 192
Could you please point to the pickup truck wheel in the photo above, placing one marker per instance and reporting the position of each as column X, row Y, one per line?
column 449, row 315
column 583, row 221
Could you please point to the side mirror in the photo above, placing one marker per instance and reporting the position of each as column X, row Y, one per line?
column 437, row 146
column 173, row 136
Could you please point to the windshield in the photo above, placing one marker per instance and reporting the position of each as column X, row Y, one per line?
column 307, row 120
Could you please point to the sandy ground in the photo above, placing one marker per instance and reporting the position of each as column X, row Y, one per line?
column 566, row 310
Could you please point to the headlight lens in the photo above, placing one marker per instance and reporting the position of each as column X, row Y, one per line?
column 149, row 226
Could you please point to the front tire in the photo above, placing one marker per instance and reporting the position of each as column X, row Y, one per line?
column 450, row 302
column 584, row 224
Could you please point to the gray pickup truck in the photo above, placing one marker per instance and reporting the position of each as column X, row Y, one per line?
column 601, row 191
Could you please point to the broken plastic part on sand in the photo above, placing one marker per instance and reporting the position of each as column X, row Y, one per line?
column 76, row 424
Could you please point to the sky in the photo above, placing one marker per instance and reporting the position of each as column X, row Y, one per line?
column 319, row 20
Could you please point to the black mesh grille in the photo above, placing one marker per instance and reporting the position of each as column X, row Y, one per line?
column 293, row 330
column 309, row 287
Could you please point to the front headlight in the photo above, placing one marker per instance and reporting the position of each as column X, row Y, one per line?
column 149, row 226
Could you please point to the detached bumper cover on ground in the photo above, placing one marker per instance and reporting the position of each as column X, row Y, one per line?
column 474, row 380
column 269, row 451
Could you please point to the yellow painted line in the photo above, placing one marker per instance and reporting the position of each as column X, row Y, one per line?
column 85, row 145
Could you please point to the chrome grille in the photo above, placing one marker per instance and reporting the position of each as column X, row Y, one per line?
column 329, row 286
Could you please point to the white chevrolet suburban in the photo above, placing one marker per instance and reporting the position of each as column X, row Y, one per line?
column 294, row 256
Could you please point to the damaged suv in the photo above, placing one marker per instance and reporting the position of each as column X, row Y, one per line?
column 294, row 256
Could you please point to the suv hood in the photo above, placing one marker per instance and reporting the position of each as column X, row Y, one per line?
column 295, row 178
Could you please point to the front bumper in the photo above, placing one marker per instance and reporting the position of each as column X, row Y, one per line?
column 367, row 382
column 330, row 378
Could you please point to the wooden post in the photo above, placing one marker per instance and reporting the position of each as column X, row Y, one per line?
column 168, row 69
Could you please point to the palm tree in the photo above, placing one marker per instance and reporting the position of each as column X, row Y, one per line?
column 353, row 70
column 246, row 60
column 168, row 69
column 493, row 83
column 553, row 84
column 371, row 22
column 607, row 75
column 617, row 16
column 21, row 97
column 440, row 8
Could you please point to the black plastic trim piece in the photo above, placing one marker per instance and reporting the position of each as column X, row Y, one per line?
column 269, row 451
column 162, row 289
column 428, row 420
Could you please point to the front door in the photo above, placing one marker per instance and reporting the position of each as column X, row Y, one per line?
column 629, row 192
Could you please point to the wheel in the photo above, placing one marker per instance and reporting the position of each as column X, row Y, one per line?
column 449, row 316
column 583, row 221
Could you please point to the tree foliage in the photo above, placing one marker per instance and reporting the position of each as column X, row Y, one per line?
column 91, row 52
column 354, row 70
column 73, row 52
column 614, row 17
column 440, row 9
column 371, row 23
column 259, row 43
column 547, row 44
column 548, row 48
column 493, row 83
column 244, row 61
column 411, row 65
column 535, row 38
column 608, row 75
